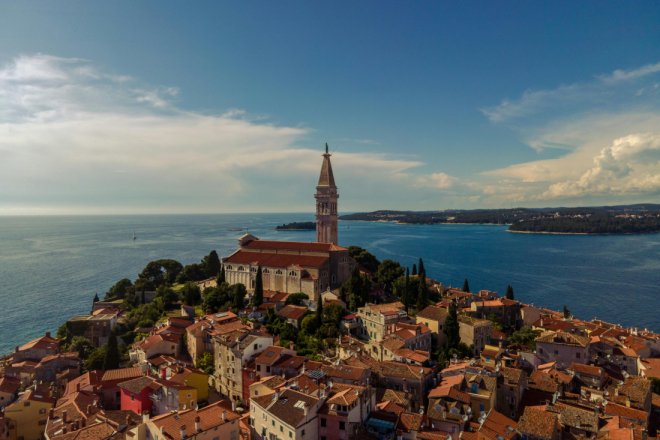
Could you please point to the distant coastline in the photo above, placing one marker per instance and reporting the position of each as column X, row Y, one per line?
column 296, row 226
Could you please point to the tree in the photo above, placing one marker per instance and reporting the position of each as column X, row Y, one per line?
column 95, row 359
column 96, row 297
column 388, row 272
column 190, row 294
column 221, row 277
column 495, row 320
column 423, row 295
column 366, row 288
column 239, row 292
column 212, row 264
column 144, row 301
column 414, row 271
column 295, row 299
column 405, row 297
column 258, row 296
column 308, row 324
column 111, row 359
column 364, row 258
column 421, row 269
column 655, row 385
column 319, row 311
column 452, row 329
column 509, row 292
column 355, row 286
column 80, row 344
column 524, row 336
column 466, row 286
column 333, row 314
column 205, row 363
column 166, row 294
column 567, row 313
column 119, row 289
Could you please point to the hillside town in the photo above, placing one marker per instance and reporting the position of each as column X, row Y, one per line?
column 324, row 347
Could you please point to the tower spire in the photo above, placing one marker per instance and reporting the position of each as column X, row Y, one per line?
column 326, row 203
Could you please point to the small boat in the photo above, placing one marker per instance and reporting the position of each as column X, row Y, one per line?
column 134, row 237
column 235, row 229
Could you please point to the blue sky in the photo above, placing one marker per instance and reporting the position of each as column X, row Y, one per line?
column 157, row 107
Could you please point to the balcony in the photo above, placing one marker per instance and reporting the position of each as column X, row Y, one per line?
column 350, row 324
column 155, row 397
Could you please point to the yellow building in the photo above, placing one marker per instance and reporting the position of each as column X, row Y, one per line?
column 434, row 318
column 28, row 415
column 482, row 390
column 194, row 378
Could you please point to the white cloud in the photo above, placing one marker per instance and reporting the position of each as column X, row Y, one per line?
column 76, row 139
column 437, row 180
column 622, row 75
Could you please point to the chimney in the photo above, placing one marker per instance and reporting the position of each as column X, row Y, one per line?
column 399, row 434
column 182, row 433
column 306, row 389
column 209, row 311
column 83, row 422
column 230, row 310
column 162, row 430
column 197, row 427
column 627, row 401
column 233, row 406
column 500, row 343
column 291, row 345
column 128, row 419
column 16, row 349
column 48, row 334
column 64, row 430
column 145, row 417
column 78, row 387
column 224, row 416
column 305, row 408
column 64, row 416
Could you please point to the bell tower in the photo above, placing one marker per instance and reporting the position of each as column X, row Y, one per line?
column 326, row 203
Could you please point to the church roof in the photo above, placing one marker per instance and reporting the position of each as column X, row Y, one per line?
column 266, row 259
column 326, row 178
column 296, row 245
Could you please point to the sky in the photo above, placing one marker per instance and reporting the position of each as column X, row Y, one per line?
column 129, row 107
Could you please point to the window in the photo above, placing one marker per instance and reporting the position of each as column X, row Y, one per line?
column 342, row 426
column 293, row 273
column 334, row 279
column 281, row 428
column 229, row 268
column 265, row 271
column 290, row 434
column 577, row 355
column 132, row 397
column 474, row 388
column 273, row 422
column 324, row 274
column 240, row 269
column 302, row 433
column 324, row 423
column 253, row 269
column 256, row 393
column 482, row 407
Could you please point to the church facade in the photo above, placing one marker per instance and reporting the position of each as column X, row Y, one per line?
column 292, row 267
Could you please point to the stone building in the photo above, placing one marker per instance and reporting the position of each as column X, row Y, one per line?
column 293, row 267
column 475, row 332
column 510, row 386
column 375, row 321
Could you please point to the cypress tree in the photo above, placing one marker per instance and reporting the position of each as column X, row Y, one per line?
column 509, row 292
column 405, row 298
column 319, row 312
column 143, row 298
column 221, row 277
column 452, row 329
column 423, row 295
column 96, row 297
column 421, row 267
column 111, row 360
column 258, row 297
column 366, row 289
column 466, row 286
column 414, row 271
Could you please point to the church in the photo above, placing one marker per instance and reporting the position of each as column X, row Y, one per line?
column 292, row 266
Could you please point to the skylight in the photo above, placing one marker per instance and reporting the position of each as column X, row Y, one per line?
column 270, row 354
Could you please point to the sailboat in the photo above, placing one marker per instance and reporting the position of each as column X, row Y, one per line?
column 134, row 237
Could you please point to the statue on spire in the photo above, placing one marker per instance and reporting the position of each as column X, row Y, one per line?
column 326, row 148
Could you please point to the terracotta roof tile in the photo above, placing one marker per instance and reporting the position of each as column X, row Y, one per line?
column 122, row 373
column 209, row 418
column 275, row 260
column 538, row 422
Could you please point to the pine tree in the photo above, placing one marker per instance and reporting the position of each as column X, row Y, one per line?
column 319, row 312
column 221, row 277
column 96, row 297
column 466, row 286
column 405, row 297
column 509, row 292
column 414, row 271
column 258, row 297
column 452, row 329
column 111, row 361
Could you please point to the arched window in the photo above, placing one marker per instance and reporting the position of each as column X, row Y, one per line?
column 265, row 271
column 278, row 272
column 324, row 274
column 253, row 269
column 334, row 279
column 241, row 269
column 321, row 286
column 293, row 273
column 228, row 268
column 342, row 260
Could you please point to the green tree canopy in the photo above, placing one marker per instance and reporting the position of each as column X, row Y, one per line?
column 364, row 258
column 295, row 299
column 319, row 311
column 509, row 292
column 309, row 325
column 111, row 359
column 452, row 329
column 205, row 363
column 216, row 297
column 190, row 294
column 414, row 270
column 167, row 295
column 238, row 293
column 567, row 313
column 524, row 336
column 333, row 314
column 221, row 277
column 119, row 289
column 96, row 297
column 421, row 269
column 95, row 359
column 388, row 272
column 211, row 264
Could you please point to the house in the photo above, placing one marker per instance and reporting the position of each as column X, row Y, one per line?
column 347, row 374
column 482, row 390
column 28, row 415
column 71, row 413
column 293, row 315
column 346, row 408
column 200, row 334
column 269, row 357
column 195, row 378
column 409, row 378
column 105, row 383
column 529, row 314
column 49, row 367
column 434, row 318
column 231, row 354
column 414, row 336
column 349, row 346
column 168, row 396
column 563, row 348
column 538, row 424
column 633, row 392
column 473, row 331
column 135, row 395
column 95, row 424
column 378, row 320
column 154, row 345
column 95, row 327
column 266, row 385
column 9, row 387
column 212, row 422
column 497, row 426
column 37, row 349
column 589, row 376
column 286, row 415
column 511, row 384
column 448, row 415
column 507, row 310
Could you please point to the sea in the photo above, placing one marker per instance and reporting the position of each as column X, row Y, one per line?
column 51, row 267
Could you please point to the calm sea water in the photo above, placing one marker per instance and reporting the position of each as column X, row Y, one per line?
column 50, row 267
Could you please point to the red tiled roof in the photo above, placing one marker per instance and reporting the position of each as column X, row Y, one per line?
column 292, row 312
column 275, row 260
column 624, row 411
column 150, row 341
column 9, row 385
column 122, row 373
column 209, row 418
column 269, row 355
column 538, row 422
column 42, row 342
column 452, row 392
column 586, row 369
column 390, row 407
column 297, row 245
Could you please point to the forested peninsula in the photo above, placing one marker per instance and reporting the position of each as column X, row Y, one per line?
column 297, row 226
column 624, row 219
